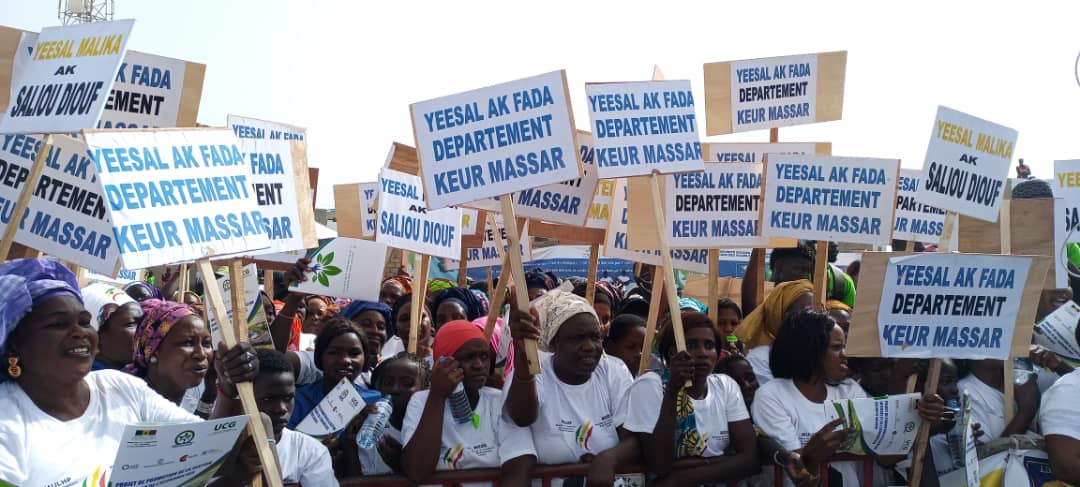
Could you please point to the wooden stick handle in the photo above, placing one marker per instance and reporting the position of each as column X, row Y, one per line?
column 517, row 270
column 651, row 323
column 24, row 197
column 669, row 277
column 418, row 297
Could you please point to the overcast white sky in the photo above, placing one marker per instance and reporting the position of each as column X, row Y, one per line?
column 348, row 70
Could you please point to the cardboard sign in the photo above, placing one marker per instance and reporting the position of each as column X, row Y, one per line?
column 1066, row 186
column 67, row 79
column 496, row 140
column 717, row 205
column 841, row 199
column 276, row 154
column 967, row 164
column 173, row 455
column 755, row 152
column 643, row 127
column 403, row 158
column 915, row 221
column 600, row 208
column 343, row 268
column 1030, row 222
column 471, row 221
column 68, row 216
column 369, row 195
column 258, row 327
column 880, row 425
column 405, row 223
column 616, row 245
column 754, row 94
column 942, row 305
column 489, row 254
column 177, row 195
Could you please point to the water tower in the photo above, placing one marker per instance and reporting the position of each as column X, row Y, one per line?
column 85, row 11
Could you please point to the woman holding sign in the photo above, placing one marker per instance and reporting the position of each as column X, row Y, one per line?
column 62, row 422
column 482, row 437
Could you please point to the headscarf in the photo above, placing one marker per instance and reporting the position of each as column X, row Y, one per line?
column 98, row 295
column 760, row 326
column 439, row 284
column 154, row 292
column 468, row 301
column 501, row 343
column 452, row 336
column 537, row 279
column 158, row 318
column 198, row 300
column 482, row 299
column 405, row 282
column 833, row 304
column 692, row 304
column 554, row 308
column 26, row 283
column 356, row 307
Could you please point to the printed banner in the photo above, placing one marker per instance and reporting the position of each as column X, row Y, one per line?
column 497, row 140
column 175, row 195
column 967, row 164
column 915, row 222
column 174, row 455
column 880, row 426
column 641, row 127
column 334, row 412
column 405, row 222
column 343, row 268
column 67, row 79
column 840, row 199
column 1057, row 332
column 773, row 92
column 719, row 205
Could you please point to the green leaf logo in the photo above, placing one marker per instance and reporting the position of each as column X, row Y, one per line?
column 323, row 270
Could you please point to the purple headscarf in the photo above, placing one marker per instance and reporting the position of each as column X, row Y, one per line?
column 158, row 318
column 26, row 283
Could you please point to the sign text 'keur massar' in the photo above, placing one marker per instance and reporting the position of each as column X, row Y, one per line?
column 496, row 140
column 719, row 205
column 915, row 221
column 641, row 127
column 616, row 244
column 967, row 164
column 67, row 80
column 840, row 199
column 177, row 195
column 405, row 222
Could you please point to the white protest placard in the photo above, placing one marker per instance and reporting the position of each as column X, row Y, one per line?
column 405, row 222
column 967, row 164
column 66, row 81
column 879, row 425
column 276, row 154
column 334, row 412
column 568, row 202
column 489, row 254
column 496, row 140
column 1057, row 332
column 773, row 92
column 173, row 455
column 615, row 241
column 67, row 216
column 258, row 328
column 369, row 194
column 641, row 127
column 915, row 221
column 755, row 152
column 470, row 219
column 1066, row 186
column 957, row 306
column 719, row 205
column 343, row 268
column 177, row 195
column 840, row 199
column 600, row 208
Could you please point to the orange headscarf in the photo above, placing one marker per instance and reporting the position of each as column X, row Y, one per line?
column 760, row 326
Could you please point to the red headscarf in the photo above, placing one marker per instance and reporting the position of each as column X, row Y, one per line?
column 451, row 336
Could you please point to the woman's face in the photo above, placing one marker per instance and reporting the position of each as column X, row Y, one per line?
column 474, row 357
column 726, row 321
column 842, row 319
column 702, row 347
column 185, row 354
column 343, row 358
column 399, row 381
column 628, row 348
column 374, row 325
column 603, row 311
column 55, row 342
column 835, row 363
column 316, row 311
column 948, row 385
column 743, row 373
column 449, row 311
column 390, row 293
column 577, row 345
column 118, row 333
column 404, row 316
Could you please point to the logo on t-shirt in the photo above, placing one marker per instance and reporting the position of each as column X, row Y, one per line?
column 452, row 456
column 583, row 434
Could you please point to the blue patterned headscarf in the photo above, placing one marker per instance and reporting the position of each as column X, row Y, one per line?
column 26, row 283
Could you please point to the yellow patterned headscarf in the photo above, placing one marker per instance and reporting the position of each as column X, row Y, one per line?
column 760, row 326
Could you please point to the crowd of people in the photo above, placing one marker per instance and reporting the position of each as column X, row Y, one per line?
column 746, row 395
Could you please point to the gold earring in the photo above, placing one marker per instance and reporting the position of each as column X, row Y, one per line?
column 13, row 367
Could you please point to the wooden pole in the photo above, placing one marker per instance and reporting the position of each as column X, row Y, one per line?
column 594, row 264
column 24, row 197
column 418, row 297
column 1005, row 226
column 821, row 275
column 498, row 296
column 517, row 270
column 490, row 282
column 714, row 285
column 774, row 137
column 651, row 322
column 247, row 394
column 665, row 256
column 463, row 268
column 268, row 283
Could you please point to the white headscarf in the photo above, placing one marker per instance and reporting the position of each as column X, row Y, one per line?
column 556, row 307
column 97, row 295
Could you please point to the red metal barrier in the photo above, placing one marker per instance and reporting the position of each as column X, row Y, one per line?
column 547, row 472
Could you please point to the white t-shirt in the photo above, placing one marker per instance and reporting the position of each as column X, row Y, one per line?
column 758, row 358
column 781, row 411
column 393, row 346
column 577, row 419
column 190, row 401
column 39, row 449
column 723, row 404
column 464, row 446
column 371, row 461
column 1059, row 414
column 304, row 460
column 987, row 406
